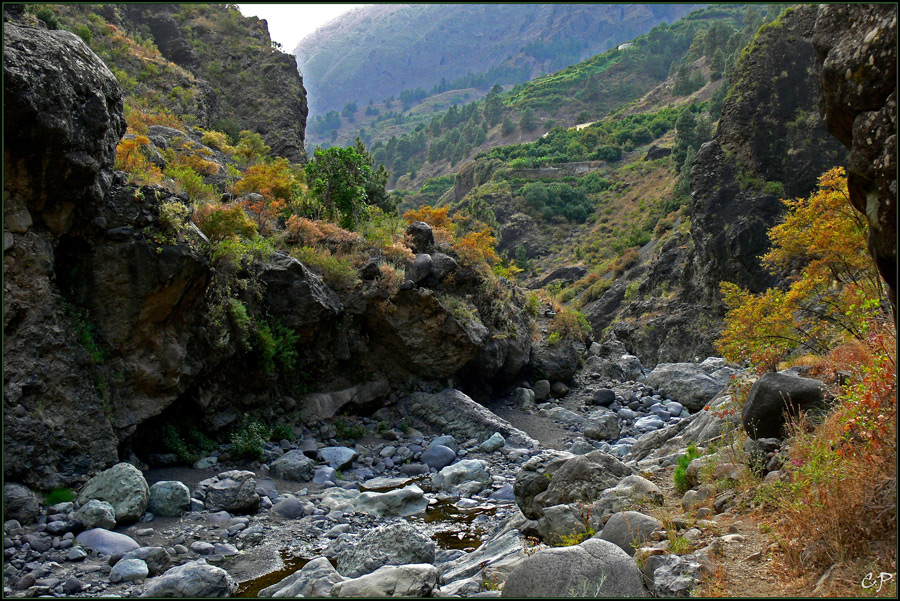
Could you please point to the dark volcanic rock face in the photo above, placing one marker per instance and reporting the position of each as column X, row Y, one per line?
column 856, row 47
column 63, row 112
column 68, row 118
column 770, row 144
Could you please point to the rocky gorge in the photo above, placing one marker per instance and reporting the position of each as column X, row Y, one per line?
column 435, row 442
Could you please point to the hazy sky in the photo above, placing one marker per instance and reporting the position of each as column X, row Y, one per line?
column 290, row 23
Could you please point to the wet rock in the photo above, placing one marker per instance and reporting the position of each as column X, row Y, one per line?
column 315, row 579
column 465, row 478
column 393, row 544
column 123, row 486
column 19, row 503
column 604, row 397
column 97, row 514
column 595, row 568
column 414, row 580
column 193, row 579
column 169, row 498
column 106, row 542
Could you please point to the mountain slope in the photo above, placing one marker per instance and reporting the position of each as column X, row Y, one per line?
column 377, row 51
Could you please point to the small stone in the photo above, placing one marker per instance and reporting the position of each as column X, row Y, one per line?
column 129, row 570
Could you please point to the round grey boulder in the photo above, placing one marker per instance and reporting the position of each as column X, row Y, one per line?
column 129, row 570
column 394, row 544
column 169, row 498
column 191, row 580
column 628, row 529
column 339, row 458
column 233, row 491
column 106, row 542
column 438, row 456
column 595, row 568
column 96, row 514
column 294, row 465
column 465, row 478
column 123, row 486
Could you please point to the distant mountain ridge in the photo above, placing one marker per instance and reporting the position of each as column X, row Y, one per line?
column 376, row 51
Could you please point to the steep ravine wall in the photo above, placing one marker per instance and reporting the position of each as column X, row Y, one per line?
column 109, row 324
column 770, row 144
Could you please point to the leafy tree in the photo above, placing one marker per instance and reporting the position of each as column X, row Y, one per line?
column 338, row 177
column 508, row 126
column 251, row 148
column 528, row 121
column 493, row 106
column 836, row 294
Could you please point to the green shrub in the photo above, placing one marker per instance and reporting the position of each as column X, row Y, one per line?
column 59, row 495
column 348, row 430
column 337, row 271
column 680, row 475
column 282, row 431
column 249, row 441
column 186, row 442
column 276, row 343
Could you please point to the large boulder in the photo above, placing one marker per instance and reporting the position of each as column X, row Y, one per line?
column 533, row 478
column 123, row 486
column 413, row 580
column 392, row 544
column 595, row 568
column 688, row 383
column 191, row 580
column 582, row 478
column 298, row 298
column 64, row 113
column 628, row 529
column 233, row 491
column 315, row 579
column 775, row 395
column 96, row 514
column 467, row 477
column 558, row 362
column 169, row 498
column 457, row 415
column 107, row 542
column 293, row 465
column 424, row 337
column 19, row 503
